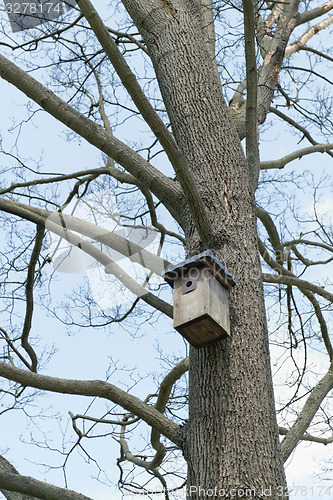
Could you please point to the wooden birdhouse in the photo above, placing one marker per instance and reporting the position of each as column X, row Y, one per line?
column 201, row 299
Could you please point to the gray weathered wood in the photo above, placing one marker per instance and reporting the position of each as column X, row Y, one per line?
column 201, row 315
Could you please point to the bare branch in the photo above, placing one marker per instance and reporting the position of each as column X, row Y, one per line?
column 303, row 40
column 207, row 26
column 57, row 222
column 163, row 396
column 131, row 84
column 121, row 34
column 296, row 125
column 312, row 405
column 301, row 284
column 308, row 294
column 308, row 262
column 282, row 162
column 308, row 437
column 270, row 227
column 118, row 174
column 53, row 34
column 5, row 468
column 307, row 70
column 29, row 297
column 129, row 81
column 153, row 216
column 167, row 190
column 94, row 388
column 126, row 178
column 318, row 53
column 322, row 323
column 38, row 489
column 300, row 241
column 252, row 150
column 11, row 344
column 110, row 266
column 103, row 420
column 309, row 15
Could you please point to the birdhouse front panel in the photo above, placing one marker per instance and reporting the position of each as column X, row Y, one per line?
column 201, row 299
column 201, row 307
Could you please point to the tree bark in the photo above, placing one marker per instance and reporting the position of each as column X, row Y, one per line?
column 7, row 468
column 232, row 438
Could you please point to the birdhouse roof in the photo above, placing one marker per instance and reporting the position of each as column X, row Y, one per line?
column 204, row 259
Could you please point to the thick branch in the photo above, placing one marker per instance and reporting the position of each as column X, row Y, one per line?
column 300, row 241
column 282, row 162
column 163, row 396
column 167, row 190
column 303, row 40
column 308, row 437
column 307, row 16
column 317, row 395
column 7, row 468
column 139, row 462
column 55, row 222
column 39, row 489
column 270, row 69
column 128, row 455
column 110, row 266
column 301, row 284
column 131, row 84
column 274, row 15
column 270, row 227
column 273, row 54
column 207, row 26
column 94, row 388
column 168, row 382
column 29, row 297
column 252, row 150
column 128, row 79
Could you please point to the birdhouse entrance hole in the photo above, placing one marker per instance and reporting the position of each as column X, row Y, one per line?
column 189, row 284
column 201, row 304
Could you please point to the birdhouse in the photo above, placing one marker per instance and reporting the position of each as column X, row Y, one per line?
column 201, row 299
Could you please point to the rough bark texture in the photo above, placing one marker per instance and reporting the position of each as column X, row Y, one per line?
column 272, row 50
column 7, row 468
column 232, row 438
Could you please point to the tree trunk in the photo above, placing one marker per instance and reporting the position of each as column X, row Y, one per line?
column 232, row 439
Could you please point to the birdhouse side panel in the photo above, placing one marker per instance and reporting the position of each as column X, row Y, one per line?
column 218, row 304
